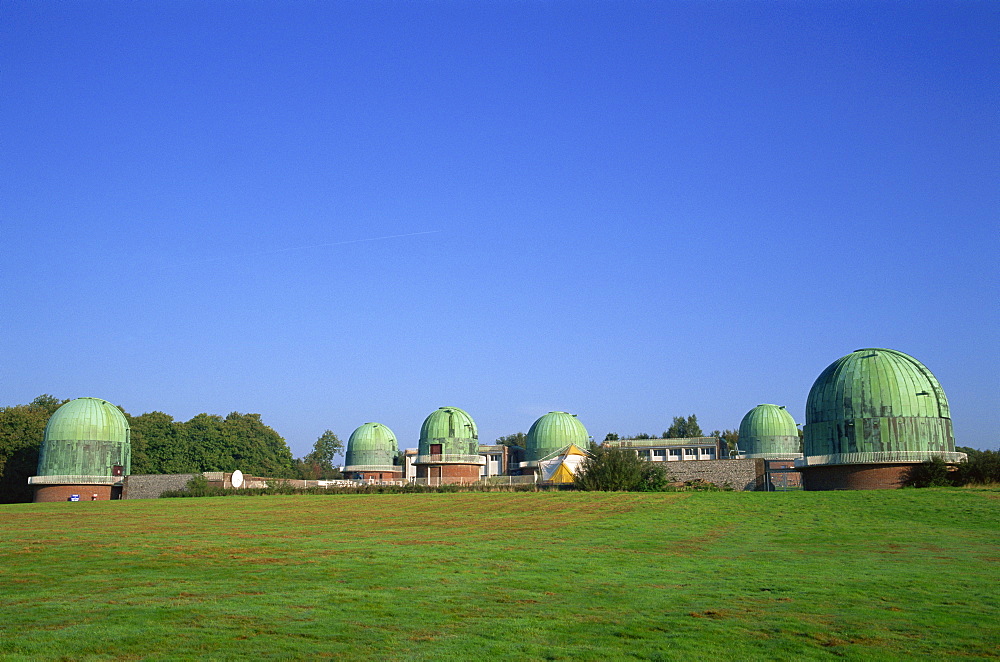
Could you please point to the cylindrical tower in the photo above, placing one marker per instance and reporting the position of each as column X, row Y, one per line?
column 870, row 416
column 769, row 432
column 448, row 451
column 552, row 434
column 86, row 453
column 371, row 454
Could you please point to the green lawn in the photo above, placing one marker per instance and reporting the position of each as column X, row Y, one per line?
column 592, row 576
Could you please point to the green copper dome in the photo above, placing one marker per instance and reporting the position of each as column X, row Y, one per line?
column 85, row 437
column 769, row 432
column 372, row 447
column 451, row 428
column 553, row 432
column 877, row 405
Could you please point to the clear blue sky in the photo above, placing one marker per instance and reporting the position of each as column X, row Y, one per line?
column 631, row 210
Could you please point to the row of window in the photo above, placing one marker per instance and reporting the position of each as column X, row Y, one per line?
column 660, row 454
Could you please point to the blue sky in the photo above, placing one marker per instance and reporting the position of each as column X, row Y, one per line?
column 627, row 210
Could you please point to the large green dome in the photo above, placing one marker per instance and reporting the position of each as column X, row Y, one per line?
column 85, row 437
column 372, row 447
column 553, row 432
column 451, row 428
column 769, row 432
column 877, row 405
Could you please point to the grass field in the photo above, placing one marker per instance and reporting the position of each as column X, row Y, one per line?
column 592, row 576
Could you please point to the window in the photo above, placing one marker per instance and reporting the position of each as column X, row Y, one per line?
column 675, row 452
column 659, row 452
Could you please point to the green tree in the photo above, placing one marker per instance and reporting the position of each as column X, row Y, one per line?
column 518, row 439
column 730, row 439
column 22, row 430
column 979, row 468
column 684, row 427
column 641, row 435
column 611, row 436
column 619, row 470
column 325, row 449
column 318, row 463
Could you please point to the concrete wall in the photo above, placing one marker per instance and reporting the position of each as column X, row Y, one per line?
column 741, row 475
column 151, row 486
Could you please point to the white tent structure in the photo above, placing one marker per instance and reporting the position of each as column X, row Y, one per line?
column 560, row 467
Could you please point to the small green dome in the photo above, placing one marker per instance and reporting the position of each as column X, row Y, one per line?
column 769, row 432
column 553, row 432
column 877, row 401
column 372, row 447
column 451, row 428
column 85, row 437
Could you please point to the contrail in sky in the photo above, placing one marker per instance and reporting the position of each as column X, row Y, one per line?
column 302, row 248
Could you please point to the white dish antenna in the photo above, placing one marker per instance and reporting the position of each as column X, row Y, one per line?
column 237, row 478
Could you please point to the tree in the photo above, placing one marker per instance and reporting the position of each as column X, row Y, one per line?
column 318, row 463
column 980, row 467
column 682, row 428
column 22, row 430
column 729, row 437
column 611, row 436
column 641, row 435
column 619, row 469
column 517, row 439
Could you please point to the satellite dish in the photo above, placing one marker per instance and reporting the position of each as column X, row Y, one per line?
column 237, row 478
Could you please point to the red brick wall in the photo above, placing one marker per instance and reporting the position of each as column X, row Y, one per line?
column 49, row 493
column 380, row 475
column 449, row 473
column 855, row 477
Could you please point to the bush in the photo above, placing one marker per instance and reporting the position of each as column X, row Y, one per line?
column 934, row 472
column 619, row 470
column 980, row 468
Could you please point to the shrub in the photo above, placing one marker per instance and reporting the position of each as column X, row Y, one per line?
column 934, row 472
column 619, row 470
column 980, row 468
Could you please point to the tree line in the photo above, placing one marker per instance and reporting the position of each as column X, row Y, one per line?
column 161, row 445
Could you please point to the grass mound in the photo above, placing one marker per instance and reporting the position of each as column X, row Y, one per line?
column 562, row 575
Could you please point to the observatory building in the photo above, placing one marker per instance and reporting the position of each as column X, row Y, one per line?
column 769, row 432
column 371, row 454
column 550, row 436
column 870, row 416
column 448, row 451
column 86, row 453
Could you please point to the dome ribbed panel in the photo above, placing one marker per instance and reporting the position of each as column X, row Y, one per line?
column 453, row 429
column 877, row 401
column 768, row 430
column 552, row 432
column 85, row 437
column 372, row 444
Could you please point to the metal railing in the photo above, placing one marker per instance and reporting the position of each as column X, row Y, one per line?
column 387, row 468
column 436, row 481
column 450, row 459
column 877, row 457
column 770, row 456
column 73, row 480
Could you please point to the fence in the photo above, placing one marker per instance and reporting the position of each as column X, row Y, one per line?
column 74, row 480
